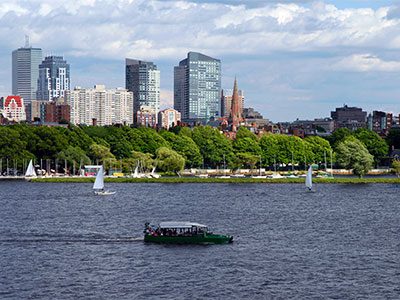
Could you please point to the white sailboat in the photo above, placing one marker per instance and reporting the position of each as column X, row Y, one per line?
column 98, row 186
column 153, row 173
column 259, row 176
column 309, row 178
column 30, row 172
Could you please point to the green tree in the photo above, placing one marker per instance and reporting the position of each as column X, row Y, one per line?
column 396, row 166
column 101, row 154
column 169, row 161
column 143, row 159
column 213, row 145
column 373, row 142
column 184, row 146
column 243, row 132
column 246, row 145
column 393, row 138
column 50, row 142
column 72, row 154
column 319, row 148
column 352, row 154
column 244, row 160
column 146, row 140
column 337, row 136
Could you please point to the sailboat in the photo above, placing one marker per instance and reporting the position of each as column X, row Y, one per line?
column 224, row 176
column 259, row 176
column 30, row 172
column 309, row 178
column 98, row 186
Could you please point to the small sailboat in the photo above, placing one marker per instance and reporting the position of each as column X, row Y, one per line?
column 98, row 186
column 30, row 172
column 309, row 178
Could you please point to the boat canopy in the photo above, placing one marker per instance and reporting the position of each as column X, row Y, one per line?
column 181, row 225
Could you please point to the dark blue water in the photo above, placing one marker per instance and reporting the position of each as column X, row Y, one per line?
column 57, row 241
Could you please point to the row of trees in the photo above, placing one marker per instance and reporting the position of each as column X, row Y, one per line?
column 181, row 147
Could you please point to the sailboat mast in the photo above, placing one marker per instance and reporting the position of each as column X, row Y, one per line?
column 331, row 164
column 325, row 160
column 260, row 165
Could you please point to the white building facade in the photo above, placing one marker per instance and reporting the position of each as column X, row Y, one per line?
column 100, row 106
column 13, row 108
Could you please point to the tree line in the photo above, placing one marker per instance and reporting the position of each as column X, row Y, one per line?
column 181, row 147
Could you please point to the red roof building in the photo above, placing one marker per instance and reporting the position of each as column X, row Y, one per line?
column 13, row 108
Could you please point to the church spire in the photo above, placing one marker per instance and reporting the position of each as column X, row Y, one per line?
column 235, row 117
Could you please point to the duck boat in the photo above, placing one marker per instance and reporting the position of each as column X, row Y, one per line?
column 183, row 233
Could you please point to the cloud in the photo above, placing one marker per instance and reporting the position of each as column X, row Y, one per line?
column 166, row 99
column 366, row 63
column 285, row 51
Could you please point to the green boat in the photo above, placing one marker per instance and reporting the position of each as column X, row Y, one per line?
column 183, row 233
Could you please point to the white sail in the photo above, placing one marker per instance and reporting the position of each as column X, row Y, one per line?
column 309, row 178
column 30, row 172
column 99, row 182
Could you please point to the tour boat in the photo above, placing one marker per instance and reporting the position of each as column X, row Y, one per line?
column 183, row 233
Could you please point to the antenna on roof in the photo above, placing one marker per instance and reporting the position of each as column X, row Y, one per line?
column 26, row 41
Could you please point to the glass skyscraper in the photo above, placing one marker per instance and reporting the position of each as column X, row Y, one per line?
column 143, row 79
column 54, row 78
column 25, row 72
column 197, row 88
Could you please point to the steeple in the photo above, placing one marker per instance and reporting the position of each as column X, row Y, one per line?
column 235, row 117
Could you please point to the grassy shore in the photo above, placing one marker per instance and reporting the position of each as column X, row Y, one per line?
column 219, row 180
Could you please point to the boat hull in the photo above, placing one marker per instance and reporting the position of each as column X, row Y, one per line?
column 195, row 239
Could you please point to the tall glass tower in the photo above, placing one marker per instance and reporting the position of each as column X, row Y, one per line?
column 25, row 72
column 143, row 79
column 197, row 88
column 54, row 78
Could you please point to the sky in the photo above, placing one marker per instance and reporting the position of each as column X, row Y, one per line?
column 293, row 59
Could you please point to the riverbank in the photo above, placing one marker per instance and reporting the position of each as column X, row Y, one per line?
column 219, row 180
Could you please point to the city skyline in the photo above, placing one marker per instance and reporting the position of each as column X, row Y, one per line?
column 293, row 59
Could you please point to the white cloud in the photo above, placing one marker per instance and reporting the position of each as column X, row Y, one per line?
column 366, row 63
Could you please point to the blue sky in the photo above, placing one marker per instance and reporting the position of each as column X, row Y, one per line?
column 293, row 59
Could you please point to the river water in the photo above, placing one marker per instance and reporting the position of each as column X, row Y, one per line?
column 58, row 241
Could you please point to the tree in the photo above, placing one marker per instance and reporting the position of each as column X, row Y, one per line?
column 184, row 146
column 393, row 138
column 144, row 159
column 72, row 154
column 169, row 161
column 146, row 140
column 246, row 145
column 352, row 154
column 319, row 148
column 337, row 136
column 244, row 160
column 214, row 146
column 101, row 153
column 396, row 166
column 373, row 142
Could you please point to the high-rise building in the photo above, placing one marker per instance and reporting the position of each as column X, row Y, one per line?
column 100, row 106
column 54, row 78
column 143, row 79
column 197, row 88
column 25, row 73
column 226, row 101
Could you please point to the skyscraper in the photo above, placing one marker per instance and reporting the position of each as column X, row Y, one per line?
column 25, row 72
column 197, row 88
column 143, row 79
column 54, row 78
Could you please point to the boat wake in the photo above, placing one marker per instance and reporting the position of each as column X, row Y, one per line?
column 71, row 239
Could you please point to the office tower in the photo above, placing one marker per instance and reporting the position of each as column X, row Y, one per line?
column 226, row 101
column 25, row 72
column 143, row 79
column 197, row 88
column 54, row 78
column 100, row 106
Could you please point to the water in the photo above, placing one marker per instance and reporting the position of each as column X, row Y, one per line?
column 58, row 241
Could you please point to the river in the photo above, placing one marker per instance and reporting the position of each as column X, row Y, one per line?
column 58, row 241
